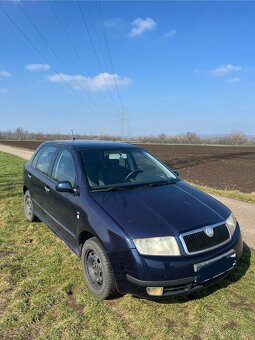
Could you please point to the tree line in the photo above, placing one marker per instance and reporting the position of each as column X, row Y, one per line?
column 235, row 138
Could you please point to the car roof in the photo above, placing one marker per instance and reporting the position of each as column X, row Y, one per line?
column 92, row 144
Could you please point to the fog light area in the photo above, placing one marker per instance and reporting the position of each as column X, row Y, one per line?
column 155, row 291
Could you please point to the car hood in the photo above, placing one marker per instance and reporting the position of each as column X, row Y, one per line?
column 160, row 211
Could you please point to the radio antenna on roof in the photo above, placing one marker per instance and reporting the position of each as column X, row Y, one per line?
column 73, row 135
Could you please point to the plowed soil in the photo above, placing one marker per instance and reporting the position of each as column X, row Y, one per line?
column 227, row 168
column 221, row 167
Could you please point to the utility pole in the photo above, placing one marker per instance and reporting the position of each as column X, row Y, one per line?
column 122, row 122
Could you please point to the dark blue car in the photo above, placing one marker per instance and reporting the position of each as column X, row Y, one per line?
column 136, row 225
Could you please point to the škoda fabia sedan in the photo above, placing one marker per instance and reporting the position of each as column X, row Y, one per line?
column 136, row 225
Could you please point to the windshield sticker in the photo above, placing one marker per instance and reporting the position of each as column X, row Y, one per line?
column 117, row 156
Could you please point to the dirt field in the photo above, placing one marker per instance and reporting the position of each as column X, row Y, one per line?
column 227, row 168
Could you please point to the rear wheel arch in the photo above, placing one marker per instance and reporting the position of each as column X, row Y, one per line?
column 29, row 206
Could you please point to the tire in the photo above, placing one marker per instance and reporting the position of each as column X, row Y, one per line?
column 29, row 207
column 97, row 270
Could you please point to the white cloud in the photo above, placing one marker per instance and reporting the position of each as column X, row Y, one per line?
column 79, row 82
column 169, row 34
column 4, row 74
column 37, row 67
column 225, row 69
column 233, row 80
column 114, row 23
column 141, row 26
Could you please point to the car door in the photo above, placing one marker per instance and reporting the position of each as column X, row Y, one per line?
column 37, row 177
column 61, row 206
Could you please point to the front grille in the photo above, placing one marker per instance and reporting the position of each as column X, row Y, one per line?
column 198, row 241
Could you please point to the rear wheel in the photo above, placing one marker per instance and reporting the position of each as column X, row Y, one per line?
column 97, row 269
column 29, row 207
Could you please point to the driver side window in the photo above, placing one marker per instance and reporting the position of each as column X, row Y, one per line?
column 64, row 168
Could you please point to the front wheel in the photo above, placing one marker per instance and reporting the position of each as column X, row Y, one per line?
column 97, row 269
column 29, row 207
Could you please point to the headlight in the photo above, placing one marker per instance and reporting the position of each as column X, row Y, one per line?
column 159, row 246
column 231, row 223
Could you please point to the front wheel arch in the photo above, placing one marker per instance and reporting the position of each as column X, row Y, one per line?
column 102, row 269
column 83, row 237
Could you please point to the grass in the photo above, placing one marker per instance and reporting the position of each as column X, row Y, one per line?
column 241, row 196
column 43, row 294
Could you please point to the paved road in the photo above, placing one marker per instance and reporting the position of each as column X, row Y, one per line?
column 244, row 212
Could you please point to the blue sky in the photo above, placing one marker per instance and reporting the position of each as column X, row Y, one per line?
column 179, row 66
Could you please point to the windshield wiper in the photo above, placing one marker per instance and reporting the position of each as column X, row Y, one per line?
column 134, row 186
column 156, row 184
column 110, row 189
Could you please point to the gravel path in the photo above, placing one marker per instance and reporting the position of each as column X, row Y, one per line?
column 23, row 153
column 244, row 212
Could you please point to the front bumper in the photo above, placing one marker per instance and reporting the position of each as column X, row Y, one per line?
column 173, row 287
column 176, row 275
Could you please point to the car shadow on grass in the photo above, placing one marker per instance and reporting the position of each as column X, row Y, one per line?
column 239, row 271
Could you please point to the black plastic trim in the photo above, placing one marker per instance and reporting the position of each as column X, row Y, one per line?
column 169, row 283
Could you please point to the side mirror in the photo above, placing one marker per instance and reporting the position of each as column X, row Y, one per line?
column 64, row 186
column 176, row 173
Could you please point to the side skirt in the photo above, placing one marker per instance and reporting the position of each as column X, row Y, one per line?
column 74, row 249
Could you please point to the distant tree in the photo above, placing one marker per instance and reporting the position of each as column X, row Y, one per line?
column 189, row 138
column 238, row 138
column 252, row 140
column 235, row 138
column 20, row 133
column 162, row 137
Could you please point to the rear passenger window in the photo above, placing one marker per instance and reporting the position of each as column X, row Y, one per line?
column 43, row 159
column 64, row 168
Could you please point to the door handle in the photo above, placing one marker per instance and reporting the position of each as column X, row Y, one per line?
column 29, row 175
column 47, row 189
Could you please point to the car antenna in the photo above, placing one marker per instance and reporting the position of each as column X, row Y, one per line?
column 73, row 135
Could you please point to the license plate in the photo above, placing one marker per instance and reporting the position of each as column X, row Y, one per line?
column 210, row 269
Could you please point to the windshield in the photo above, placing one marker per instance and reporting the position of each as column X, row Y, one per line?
column 123, row 168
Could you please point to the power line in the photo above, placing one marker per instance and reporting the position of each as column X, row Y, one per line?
column 38, row 51
column 123, row 116
column 92, row 18
column 122, row 124
column 71, row 43
column 98, row 35
column 67, row 36
column 56, row 56
column 100, row 13
column 96, row 54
